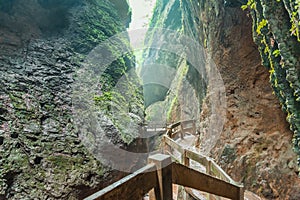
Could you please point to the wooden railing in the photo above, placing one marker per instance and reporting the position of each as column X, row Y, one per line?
column 133, row 186
column 212, row 168
column 157, row 179
column 180, row 128
column 158, row 176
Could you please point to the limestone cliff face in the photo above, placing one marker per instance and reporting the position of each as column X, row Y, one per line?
column 277, row 37
column 175, row 82
column 42, row 44
column 255, row 144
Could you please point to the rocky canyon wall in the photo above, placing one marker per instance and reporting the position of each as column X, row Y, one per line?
column 255, row 143
column 42, row 46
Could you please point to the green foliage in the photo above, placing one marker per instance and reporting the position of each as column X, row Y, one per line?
column 295, row 20
column 180, row 17
column 106, row 96
column 172, row 108
column 119, row 98
column 276, row 53
column 263, row 23
column 93, row 24
column 250, row 4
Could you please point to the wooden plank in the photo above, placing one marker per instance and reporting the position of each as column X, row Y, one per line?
column 213, row 171
column 129, row 188
column 174, row 159
column 190, row 192
column 203, row 160
column 189, row 130
column 169, row 132
column 191, row 178
column 212, row 167
column 241, row 193
column 189, row 121
column 174, row 134
column 175, row 192
column 223, row 175
column 194, row 128
column 154, row 194
column 188, row 126
column 181, row 131
column 164, row 146
column 174, row 125
column 173, row 144
column 177, row 124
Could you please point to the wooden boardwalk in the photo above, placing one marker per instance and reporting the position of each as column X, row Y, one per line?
column 180, row 168
column 188, row 141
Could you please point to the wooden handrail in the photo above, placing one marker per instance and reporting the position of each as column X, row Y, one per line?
column 212, row 168
column 174, row 125
column 185, row 176
column 182, row 129
column 129, row 187
column 188, row 121
column 174, row 145
column 209, row 163
column 156, row 176
column 159, row 175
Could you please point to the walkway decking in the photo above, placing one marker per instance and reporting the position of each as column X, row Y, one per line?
column 188, row 169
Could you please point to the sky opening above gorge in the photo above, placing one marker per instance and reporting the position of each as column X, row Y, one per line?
column 142, row 11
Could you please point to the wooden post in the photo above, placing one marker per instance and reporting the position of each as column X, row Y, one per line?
column 181, row 131
column 185, row 161
column 194, row 127
column 208, row 171
column 169, row 132
column 166, row 149
column 241, row 194
column 154, row 194
column 163, row 145
column 164, row 175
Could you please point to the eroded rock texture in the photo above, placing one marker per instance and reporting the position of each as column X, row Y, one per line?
column 276, row 32
column 255, row 145
column 42, row 44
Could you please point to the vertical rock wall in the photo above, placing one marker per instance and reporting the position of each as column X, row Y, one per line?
column 276, row 32
column 184, row 82
column 256, row 137
column 42, row 44
column 255, row 145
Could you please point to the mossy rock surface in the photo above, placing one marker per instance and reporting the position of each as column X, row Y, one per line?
column 45, row 43
column 277, row 37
